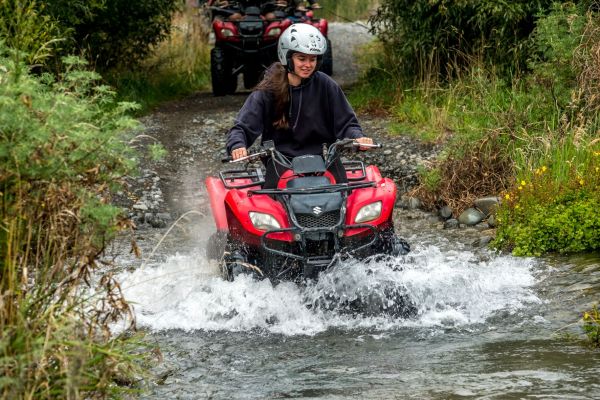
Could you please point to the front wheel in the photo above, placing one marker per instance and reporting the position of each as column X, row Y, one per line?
column 216, row 245
column 223, row 81
column 251, row 77
column 393, row 245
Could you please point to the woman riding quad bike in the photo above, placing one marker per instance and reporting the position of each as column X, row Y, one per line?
column 307, row 207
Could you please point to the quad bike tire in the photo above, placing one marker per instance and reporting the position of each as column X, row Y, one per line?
column 233, row 264
column 223, row 81
column 393, row 245
column 327, row 66
column 251, row 77
column 216, row 245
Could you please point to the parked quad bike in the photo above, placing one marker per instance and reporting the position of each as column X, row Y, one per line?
column 249, row 45
column 306, row 224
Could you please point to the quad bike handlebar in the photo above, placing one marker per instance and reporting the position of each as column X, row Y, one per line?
column 268, row 149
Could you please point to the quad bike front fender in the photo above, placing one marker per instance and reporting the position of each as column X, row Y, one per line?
column 216, row 194
column 385, row 191
column 239, row 205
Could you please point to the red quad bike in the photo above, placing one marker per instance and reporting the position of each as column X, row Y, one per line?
column 307, row 223
column 249, row 45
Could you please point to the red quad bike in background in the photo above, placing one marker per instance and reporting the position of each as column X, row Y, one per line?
column 307, row 223
column 249, row 45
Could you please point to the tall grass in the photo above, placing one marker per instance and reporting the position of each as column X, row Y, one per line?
column 63, row 147
column 178, row 66
column 347, row 10
column 499, row 131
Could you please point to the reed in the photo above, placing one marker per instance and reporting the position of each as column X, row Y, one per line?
column 347, row 10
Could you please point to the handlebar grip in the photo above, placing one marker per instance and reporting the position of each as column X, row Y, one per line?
column 368, row 145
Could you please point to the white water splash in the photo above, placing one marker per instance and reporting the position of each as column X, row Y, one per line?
column 448, row 289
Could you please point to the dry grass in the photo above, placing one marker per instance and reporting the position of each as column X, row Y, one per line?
column 587, row 59
column 484, row 170
column 186, row 52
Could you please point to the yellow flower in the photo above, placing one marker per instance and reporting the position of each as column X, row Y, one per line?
column 520, row 187
column 507, row 196
column 517, row 206
column 544, row 168
column 523, row 183
column 586, row 316
column 581, row 182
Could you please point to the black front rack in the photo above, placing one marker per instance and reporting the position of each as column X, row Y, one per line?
column 353, row 167
column 228, row 177
column 337, row 187
column 304, row 258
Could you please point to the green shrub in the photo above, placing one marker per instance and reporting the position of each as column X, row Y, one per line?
column 553, row 212
column 63, row 146
column 26, row 28
column 179, row 65
column 569, row 227
column 121, row 32
column 107, row 32
column 430, row 37
column 556, row 39
column 591, row 326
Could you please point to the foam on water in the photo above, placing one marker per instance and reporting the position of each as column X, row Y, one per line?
column 435, row 288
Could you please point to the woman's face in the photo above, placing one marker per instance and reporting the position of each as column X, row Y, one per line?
column 304, row 64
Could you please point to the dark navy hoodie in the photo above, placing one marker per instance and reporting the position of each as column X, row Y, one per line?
column 319, row 113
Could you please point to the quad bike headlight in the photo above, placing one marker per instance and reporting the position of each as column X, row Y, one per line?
column 369, row 212
column 263, row 222
column 274, row 32
column 226, row 32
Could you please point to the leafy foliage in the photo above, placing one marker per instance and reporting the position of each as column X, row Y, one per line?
column 107, row 32
column 120, row 32
column 25, row 27
column 556, row 39
column 591, row 325
column 431, row 37
column 63, row 144
column 544, row 214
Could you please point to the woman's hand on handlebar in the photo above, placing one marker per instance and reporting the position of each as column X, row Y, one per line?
column 239, row 153
column 364, row 140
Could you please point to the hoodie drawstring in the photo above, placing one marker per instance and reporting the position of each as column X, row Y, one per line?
column 299, row 107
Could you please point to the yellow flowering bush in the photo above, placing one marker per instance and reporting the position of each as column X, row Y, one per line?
column 591, row 325
column 544, row 214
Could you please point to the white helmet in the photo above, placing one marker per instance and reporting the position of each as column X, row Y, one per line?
column 300, row 38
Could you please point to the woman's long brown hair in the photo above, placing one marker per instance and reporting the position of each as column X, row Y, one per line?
column 276, row 83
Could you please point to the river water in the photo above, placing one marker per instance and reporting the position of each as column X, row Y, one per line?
column 483, row 325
